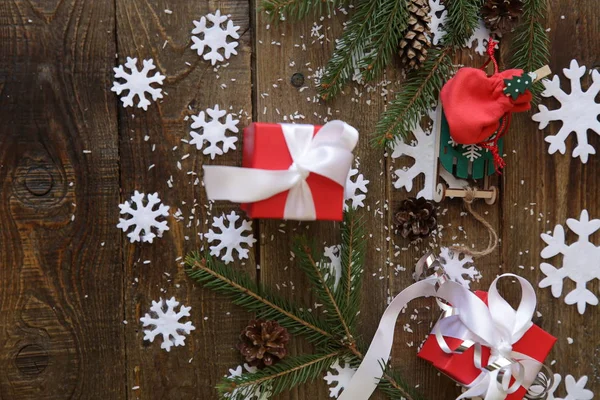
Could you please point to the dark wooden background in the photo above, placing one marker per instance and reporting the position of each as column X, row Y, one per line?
column 72, row 287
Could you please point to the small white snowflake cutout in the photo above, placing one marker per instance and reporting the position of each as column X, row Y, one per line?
column 438, row 15
column 138, row 83
column 230, row 238
column 334, row 260
column 214, row 131
column 257, row 394
column 215, row 37
column 581, row 261
column 144, row 217
column 342, row 378
column 578, row 111
column 166, row 323
column 355, row 190
column 455, row 267
column 575, row 389
column 481, row 36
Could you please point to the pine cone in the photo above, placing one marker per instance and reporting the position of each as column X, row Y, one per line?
column 416, row 218
column 416, row 42
column 501, row 16
column 262, row 343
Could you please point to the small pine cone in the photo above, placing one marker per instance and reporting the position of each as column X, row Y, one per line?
column 500, row 16
column 262, row 343
column 414, row 45
column 416, row 218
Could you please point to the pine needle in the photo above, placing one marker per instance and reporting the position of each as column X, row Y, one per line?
column 463, row 17
column 298, row 9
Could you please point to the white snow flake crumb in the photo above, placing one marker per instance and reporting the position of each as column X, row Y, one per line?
column 578, row 112
column 575, row 389
column 167, row 323
column 481, row 35
column 231, row 237
column 454, row 266
column 334, row 264
column 138, row 83
column 354, row 188
column 214, row 131
column 144, row 217
column 438, row 15
column 343, row 377
column 215, row 37
column 422, row 151
column 580, row 261
column 262, row 392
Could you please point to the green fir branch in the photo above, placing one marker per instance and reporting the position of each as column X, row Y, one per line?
column 298, row 9
column 350, row 49
column 352, row 254
column 420, row 92
column 463, row 17
column 244, row 292
column 280, row 377
column 530, row 44
column 395, row 387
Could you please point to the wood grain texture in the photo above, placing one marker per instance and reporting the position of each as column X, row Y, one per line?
column 61, row 275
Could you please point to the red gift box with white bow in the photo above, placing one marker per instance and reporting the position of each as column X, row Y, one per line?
column 290, row 171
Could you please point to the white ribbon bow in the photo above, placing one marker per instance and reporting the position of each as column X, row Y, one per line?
column 328, row 153
column 497, row 326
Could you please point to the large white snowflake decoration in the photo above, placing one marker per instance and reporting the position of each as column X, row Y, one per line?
column 138, row 83
column 215, row 37
column 575, row 389
column 422, row 151
column 355, row 189
column 144, row 217
column 455, row 267
column 481, row 35
column 581, row 261
column 438, row 15
column 214, row 131
column 166, row 323
column 332, row 253
column 231, row 237
column 256, row 394
column 578, row 112
column 343, row 377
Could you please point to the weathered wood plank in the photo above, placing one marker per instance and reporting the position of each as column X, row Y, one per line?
column 145, row 30
column 61, row 299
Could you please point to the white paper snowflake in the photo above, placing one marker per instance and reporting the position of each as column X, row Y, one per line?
column 231, row 237
column 215, row 37
column 438, row 16
column 355, row 189
column 343, row 377
column 256, row 394
column 214, row 131
column 454, row 266
column 138, row 83
column 575, row 389
column 481, row 35
column 167, row 323
column 422, row 151
column 144, row 217
column 332, row 253
column 578, row 111
column 581, row 261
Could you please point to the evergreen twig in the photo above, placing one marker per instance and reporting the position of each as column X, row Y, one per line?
column 352, row 259
column 298, row 9
column 463, row 17
column 394, row 386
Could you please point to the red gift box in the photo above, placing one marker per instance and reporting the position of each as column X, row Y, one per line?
column 265, row 148
column 536, row 343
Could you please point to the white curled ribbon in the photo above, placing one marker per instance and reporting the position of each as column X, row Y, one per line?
column 328, row 153
column 496, row 325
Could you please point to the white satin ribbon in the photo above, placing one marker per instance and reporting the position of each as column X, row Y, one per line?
column 328, row 153
column 497, row 326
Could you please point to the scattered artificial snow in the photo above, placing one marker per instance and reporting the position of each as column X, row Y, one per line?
column 144, row 217
column 215, row 37
column 214, row 131
column 138, row 83
column 167, row 323
column 455, row 267
column 355, row 189
column 231, row 237
column 578, row 112
column 580, row 261
column 343, row 377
